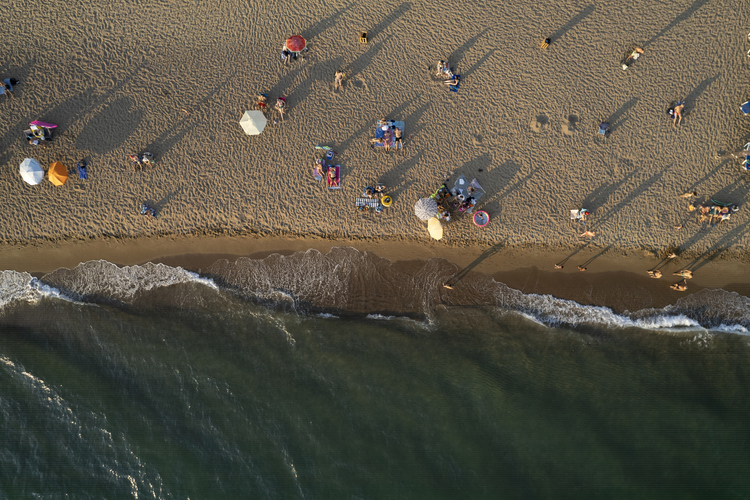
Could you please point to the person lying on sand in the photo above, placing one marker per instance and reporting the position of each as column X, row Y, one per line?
column 685, row 273
column 452, row 81
column 376, row 141
column 680, row 287
column 637, row 51
column 689, row 194
column 262, row 101
column 332, row 180
column 672, row 256
column 589, row 234
column 281, row 106
column 338, row 80
column 654, row 273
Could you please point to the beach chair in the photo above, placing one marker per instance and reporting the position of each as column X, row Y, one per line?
column 746, row 108
column 366, row 202
column 335, row 181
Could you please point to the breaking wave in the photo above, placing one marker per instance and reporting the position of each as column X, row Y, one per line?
column 346, row 281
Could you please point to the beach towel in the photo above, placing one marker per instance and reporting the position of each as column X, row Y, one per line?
column 454, row 88
column 334, row 183
column 315, row 174
column 746, row 108
column 380, row 133
column 82, row 172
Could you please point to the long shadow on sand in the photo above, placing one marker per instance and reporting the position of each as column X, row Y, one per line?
column 450, row 282
column 618, row 117
column 587, row 11
column 686, row 14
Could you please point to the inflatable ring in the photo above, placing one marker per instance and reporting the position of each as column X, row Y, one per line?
column 481, row 218
column 386, row 201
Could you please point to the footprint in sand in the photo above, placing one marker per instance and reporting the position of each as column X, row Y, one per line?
column 359, row 83
column 569, row 127
column 540, row 123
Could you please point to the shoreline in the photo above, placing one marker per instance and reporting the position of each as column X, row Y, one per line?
column 614, row 278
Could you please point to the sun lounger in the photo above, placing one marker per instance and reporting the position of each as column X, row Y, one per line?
column 366, row 202
column 334, row 183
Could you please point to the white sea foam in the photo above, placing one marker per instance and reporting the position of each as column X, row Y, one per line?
column 20, row 286
column 326, row 280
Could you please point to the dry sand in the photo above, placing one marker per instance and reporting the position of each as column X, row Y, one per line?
column 174, row 78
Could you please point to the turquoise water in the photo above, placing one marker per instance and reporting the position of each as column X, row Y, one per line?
column 191, row 390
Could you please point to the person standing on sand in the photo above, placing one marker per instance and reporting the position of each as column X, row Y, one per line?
column 338, row 80
column 676, row 113
column 654, row 274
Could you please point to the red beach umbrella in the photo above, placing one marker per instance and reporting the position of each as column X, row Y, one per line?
column 295, row 43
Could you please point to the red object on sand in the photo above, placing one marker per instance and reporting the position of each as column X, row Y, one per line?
column 295, row 43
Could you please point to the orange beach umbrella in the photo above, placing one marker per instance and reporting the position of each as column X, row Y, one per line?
column 58, row 174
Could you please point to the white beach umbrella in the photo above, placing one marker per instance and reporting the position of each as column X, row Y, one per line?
column 426, row 208
column 253, row 122
column 435, row 228
column 31, row 171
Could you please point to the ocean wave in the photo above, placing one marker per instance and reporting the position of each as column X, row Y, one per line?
column 22, row 287
column 346, row 281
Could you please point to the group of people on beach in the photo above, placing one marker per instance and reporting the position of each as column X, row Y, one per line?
column 262, row 104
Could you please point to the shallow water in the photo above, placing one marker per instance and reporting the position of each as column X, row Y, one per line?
column 249, row 381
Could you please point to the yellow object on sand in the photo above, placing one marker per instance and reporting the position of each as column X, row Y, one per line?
column 386, row 201
column 435, row 228
column 58, row 174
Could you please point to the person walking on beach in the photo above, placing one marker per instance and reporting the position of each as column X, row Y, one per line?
column 685, row 273
column 338, row 80
column 654, row 273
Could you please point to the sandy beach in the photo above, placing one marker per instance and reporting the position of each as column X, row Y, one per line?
column 174, row 79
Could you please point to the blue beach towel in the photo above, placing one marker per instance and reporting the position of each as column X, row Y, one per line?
column 454, row 88
column 82, row 172
column 746, row 108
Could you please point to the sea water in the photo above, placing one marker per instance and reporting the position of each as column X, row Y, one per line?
column 346, row 376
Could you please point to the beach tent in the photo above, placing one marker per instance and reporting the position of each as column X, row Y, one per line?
column 426, row 208
column 31, row 171
column 58, row 174
column 435, row 228
column 253, row 122
column 295, row 43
